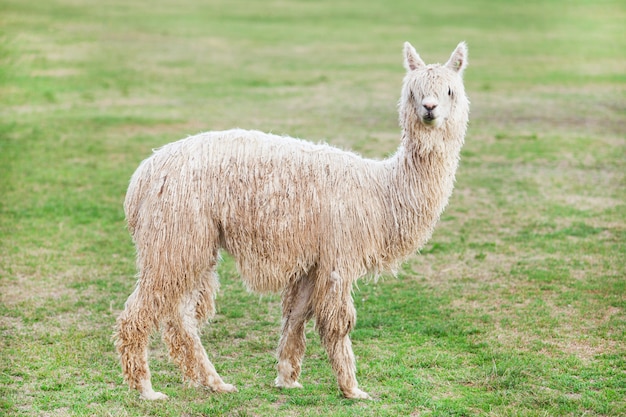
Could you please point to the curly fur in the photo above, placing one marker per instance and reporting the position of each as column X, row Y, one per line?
column 302, row 218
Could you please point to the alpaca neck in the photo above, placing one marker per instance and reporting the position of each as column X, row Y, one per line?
column 423, row 181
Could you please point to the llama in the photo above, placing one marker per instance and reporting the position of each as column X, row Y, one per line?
column 303, row 219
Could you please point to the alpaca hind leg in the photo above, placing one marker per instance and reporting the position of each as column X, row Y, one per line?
column 133, row 328
column 335, row 317
column 205, row 300
column 181, row 334
column 297, row 311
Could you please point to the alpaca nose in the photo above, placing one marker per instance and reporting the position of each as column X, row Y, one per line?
column 429, row 105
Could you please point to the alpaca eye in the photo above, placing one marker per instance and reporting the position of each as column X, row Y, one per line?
column 449, row 91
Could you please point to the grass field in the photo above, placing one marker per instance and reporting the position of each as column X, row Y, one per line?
column 517, row 307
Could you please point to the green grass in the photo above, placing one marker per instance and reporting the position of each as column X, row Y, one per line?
column 517, row 307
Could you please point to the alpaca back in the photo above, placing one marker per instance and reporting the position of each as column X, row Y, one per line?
column 277, row 204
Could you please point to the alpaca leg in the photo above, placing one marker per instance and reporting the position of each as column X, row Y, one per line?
column 297, row 311
column 205, row 300
column 181, row 334
column 335, row 317
column 133, row 329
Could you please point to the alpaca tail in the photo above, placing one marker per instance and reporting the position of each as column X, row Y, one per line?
column 140, row 184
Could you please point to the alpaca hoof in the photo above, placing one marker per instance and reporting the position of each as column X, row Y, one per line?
column 225, row 388
column 152, row 396
column 357, row 394
column 280, row 383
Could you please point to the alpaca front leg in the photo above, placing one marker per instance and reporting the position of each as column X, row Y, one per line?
column 297, row 311
column 335, row 319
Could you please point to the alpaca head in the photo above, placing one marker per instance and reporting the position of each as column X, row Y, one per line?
column 433, row 96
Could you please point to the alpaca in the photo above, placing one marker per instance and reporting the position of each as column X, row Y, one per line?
column 303, row 219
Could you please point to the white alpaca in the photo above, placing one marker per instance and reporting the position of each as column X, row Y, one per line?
column 301, row 218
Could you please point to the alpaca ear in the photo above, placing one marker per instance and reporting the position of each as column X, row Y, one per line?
column 458, row 59
column 412, row 60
